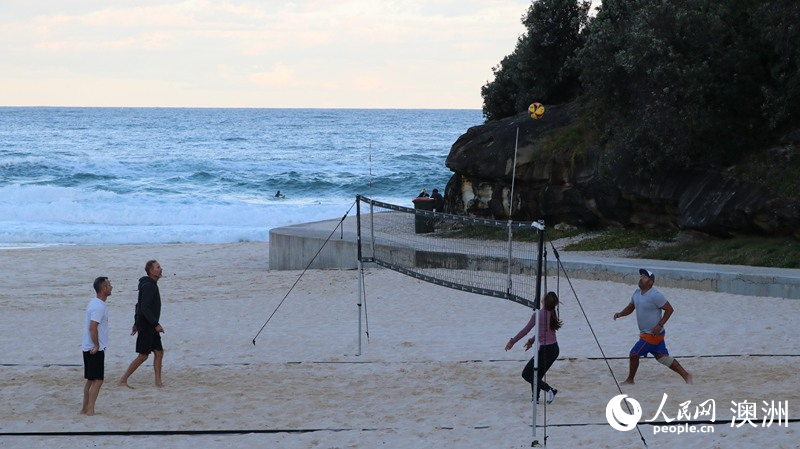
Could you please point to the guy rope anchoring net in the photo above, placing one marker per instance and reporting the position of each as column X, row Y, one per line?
column 341, row 223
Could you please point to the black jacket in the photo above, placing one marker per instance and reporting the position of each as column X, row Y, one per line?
column 148, row 307
column 438, row 202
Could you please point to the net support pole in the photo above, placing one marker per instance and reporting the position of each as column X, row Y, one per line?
column 360, row 301
column 539, row 266
column 537, row 307
column 360, row 269
column 371, row 229
column 513, row 176
column 535, row 380
column 511, row 210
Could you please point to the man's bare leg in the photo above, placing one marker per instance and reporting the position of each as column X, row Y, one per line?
column 86, row 388
column 687, row 377
column 136, row 363
column 90, row 392
column 634, row 366
column 157, row 361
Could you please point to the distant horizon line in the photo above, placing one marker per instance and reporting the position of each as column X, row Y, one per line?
column 239, row 107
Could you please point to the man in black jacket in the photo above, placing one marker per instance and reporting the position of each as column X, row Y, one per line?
column 148, row 312
column 438, row 201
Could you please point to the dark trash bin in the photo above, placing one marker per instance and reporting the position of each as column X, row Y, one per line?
column 423, row 224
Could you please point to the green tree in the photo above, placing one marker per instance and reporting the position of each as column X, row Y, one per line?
column 538, row 68
column 781, row 28
column 500, row 95
column 684, row 82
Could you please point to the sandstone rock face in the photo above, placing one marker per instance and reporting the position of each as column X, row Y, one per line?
column 577, row 194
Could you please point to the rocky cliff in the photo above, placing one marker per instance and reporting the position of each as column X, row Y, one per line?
column 593, row 193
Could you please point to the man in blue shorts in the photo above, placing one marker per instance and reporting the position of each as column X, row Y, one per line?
column 649, row 304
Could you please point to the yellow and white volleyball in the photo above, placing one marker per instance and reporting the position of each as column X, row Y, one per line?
column 536, row 110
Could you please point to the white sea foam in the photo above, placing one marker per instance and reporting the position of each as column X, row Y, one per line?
column 139, row 176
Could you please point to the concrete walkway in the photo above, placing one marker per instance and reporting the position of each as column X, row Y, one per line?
column 294, row 248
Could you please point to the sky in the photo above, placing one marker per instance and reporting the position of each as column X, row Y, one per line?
column 256, row 53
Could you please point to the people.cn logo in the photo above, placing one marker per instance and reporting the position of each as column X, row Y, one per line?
column 618, row 418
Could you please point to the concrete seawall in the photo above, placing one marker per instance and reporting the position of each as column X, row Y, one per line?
column 294, row 248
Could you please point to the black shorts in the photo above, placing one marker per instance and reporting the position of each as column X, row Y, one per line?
column 93, row 365
column 148, row 340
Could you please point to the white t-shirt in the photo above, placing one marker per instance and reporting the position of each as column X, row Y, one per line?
column 97, row 311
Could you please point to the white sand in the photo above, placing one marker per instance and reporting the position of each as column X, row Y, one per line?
column 432, row 375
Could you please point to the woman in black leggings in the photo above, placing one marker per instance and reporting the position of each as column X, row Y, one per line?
column 548, row 345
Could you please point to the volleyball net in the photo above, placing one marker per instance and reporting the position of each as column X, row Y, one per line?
column 495, row 258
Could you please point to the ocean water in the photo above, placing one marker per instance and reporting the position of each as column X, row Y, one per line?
column 84, row 176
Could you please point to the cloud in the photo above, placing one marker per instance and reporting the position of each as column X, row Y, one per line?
column 280, row 75
column 155, row 41
column 290, row 54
